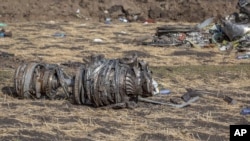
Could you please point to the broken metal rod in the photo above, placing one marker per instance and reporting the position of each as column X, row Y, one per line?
column 169, row 104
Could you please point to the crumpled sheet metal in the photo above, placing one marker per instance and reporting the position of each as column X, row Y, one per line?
column 233, row 30
column 100, row 82
column 230, row 34
column 243, row 5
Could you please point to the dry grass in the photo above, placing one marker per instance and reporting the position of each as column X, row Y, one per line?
column 174, row 68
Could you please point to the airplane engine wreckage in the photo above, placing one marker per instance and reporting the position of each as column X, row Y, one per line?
column 99, row 82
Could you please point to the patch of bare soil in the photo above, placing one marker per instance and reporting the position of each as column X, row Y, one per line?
column 81, row 10
column 9, row 60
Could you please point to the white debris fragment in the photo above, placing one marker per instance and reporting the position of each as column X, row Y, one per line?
column 97, row 40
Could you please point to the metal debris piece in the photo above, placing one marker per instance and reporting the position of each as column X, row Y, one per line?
column 233, row 30
column 244, row 13
column 192, row 93
column 179, row 35
column 186, row 97
column 175, row 100
column 200, row 93
column 230, row 32
column 245, row 111
column 232, row 35
column 230, row 100
column 170, row 104
column 99, row 82
column 34, row 80
column 4, row 33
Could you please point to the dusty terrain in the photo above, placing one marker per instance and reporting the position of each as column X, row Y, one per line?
column 174, row 68
column 33, row 25
column 66, row 10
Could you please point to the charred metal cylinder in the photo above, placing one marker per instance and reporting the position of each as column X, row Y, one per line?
column 99, row 82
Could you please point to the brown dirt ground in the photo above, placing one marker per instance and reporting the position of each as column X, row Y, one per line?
column 174, row 68
column 65, row 10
